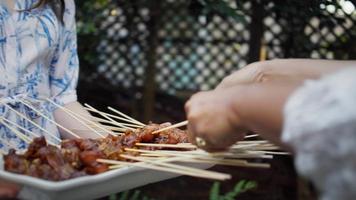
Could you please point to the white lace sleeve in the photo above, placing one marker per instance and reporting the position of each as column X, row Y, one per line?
column 320, row 124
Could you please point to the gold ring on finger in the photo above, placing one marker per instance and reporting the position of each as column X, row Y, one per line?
column 200, row 142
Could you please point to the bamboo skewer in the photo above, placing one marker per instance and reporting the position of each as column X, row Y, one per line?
column 248, row 148
column 90, row 122
column 171, row 127
column 188, row 146
column 70, row 113
column 25, row 130
column 93, row 124
column 155, row 167
column 2, row 152
column 271, row 152
column 213, row 175
column 109, row 115
column 105, row 116
column 251, row 136
column 112, row 123
column 44, row 116
column 33, row 123
column 126, row 116
column 19, row 127
column 22, row 136
column 113, row 128
column 216, row 154
column 178, row 146
column 227, row 163
column 8, row 143
column 203, row 158
column 202, row 153
column 184, row 123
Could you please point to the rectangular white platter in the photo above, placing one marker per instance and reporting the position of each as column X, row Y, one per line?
column 87, row 187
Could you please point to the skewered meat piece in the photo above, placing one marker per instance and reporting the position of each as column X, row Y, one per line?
column 15, row 163
column 70, row 152
column 78, row 157
column 91, row 165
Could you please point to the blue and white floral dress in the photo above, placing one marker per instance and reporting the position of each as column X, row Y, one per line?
column 38, row 60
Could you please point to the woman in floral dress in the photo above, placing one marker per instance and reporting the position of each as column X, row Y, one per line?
column 38, row 60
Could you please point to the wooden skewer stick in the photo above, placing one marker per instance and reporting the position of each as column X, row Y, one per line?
column 203, row 153
column 109, row 115
column 184, row 123
column 119, row 164
column 91, row 123
column 227, row 163
column 25, row 130
column 8, row 144
column 45, row 117
column 33, row 123
column 271, row 152
column 2, row 152
column 188, row 145
column 253, row 142
column 208, row 158
column 171, row 127
column 178, row 146
column 126, row 116
column 116, row 123
column 213, row 175
column 22, row 136
column 251, row 136
column 70, row 113
column 238, row 147
column 110, row 122
column 94, row 124
column 199, row 158
column 19, row 127
column 113, row 128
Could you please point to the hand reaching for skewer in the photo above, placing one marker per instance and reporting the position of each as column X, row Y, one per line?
column 213, row 123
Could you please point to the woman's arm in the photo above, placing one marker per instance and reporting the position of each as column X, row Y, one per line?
column 284, row 70
column 222, row 117
column 72, row 124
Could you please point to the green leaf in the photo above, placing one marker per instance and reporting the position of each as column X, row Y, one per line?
column 135, row 195
column 237, row 190
column 214, row 191
column 241, row 187
column 113, row 197
column 124, row 195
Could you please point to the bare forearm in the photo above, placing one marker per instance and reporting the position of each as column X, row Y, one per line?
column 303, row 68
column 283, row 70
column 72, row 124
column 260, row 107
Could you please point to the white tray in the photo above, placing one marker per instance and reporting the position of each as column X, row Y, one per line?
column 87, row 187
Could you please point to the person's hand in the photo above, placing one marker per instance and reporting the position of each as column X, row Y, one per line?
column 8, row 190
column 252, row 73
column 212, row 117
